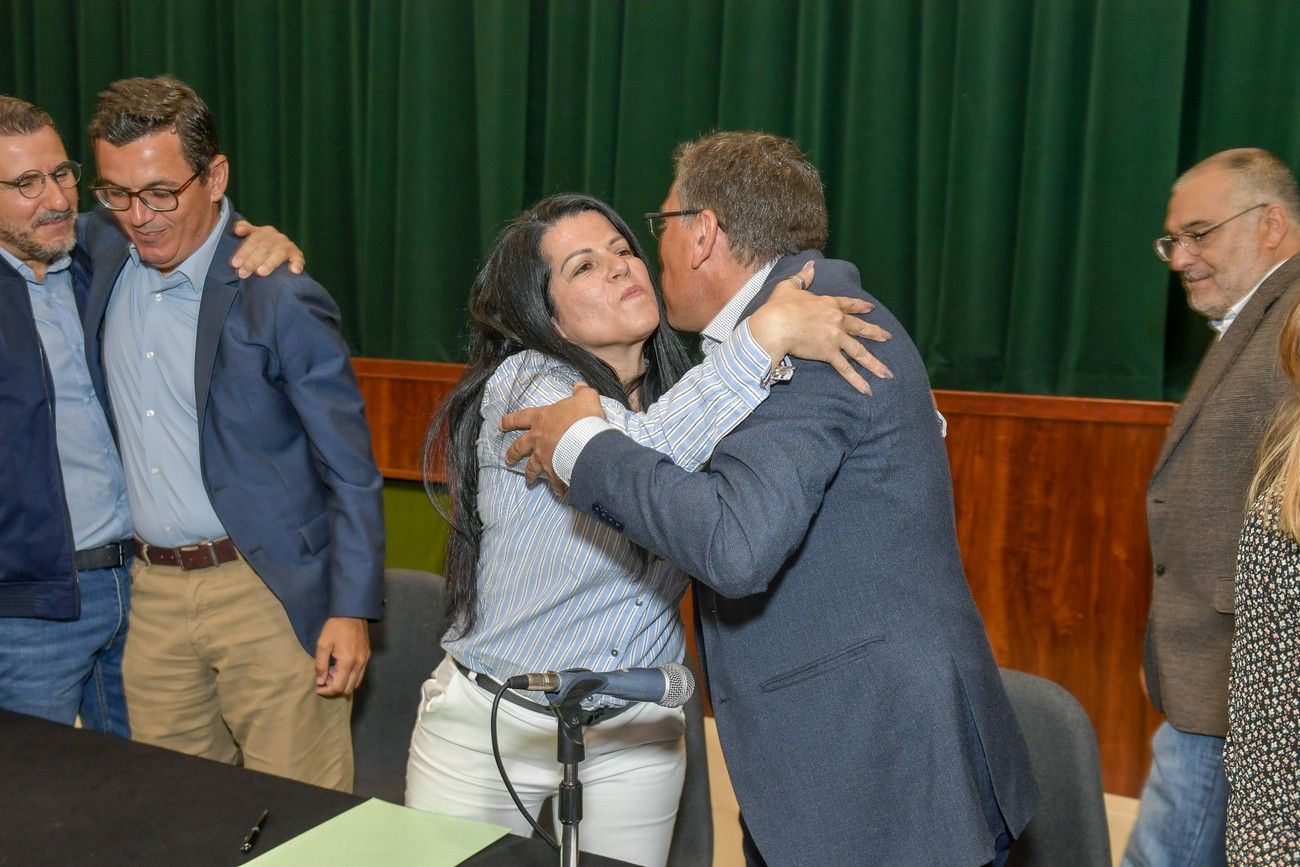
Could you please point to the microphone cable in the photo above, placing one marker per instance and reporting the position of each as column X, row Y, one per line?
column 505, row 778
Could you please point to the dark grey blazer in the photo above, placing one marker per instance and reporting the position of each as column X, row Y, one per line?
column 859, row 707
column 1196, row 504
column 283, row 438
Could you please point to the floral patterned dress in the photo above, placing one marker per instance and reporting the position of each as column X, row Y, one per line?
column 1262, row 755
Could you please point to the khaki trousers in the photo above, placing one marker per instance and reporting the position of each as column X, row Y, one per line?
column 213, row 668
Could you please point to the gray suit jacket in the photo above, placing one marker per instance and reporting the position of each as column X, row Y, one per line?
column 1196, row 503
column 857, row 700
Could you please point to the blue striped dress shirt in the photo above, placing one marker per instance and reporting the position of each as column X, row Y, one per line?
column 557, row 588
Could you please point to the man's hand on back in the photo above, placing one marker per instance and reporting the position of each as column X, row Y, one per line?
column 265, row 248
column 543, row 427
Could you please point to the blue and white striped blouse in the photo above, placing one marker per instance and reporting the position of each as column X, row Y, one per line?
column 557, row 588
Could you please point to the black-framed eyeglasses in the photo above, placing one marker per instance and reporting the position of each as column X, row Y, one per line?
column 654, row 219
column 1191, row 241
column 159, row 199
column 32, row 184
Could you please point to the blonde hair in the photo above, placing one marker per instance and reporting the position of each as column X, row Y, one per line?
column 1279, row 454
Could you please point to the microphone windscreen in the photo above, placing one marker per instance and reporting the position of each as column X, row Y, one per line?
column 680, row 687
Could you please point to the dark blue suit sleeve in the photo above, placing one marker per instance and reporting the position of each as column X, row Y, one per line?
column 320, row 384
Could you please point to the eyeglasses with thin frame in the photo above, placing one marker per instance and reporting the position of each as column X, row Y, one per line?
column 31, row 185
column 1191, row 241
column 654, row 219
column 157, row 199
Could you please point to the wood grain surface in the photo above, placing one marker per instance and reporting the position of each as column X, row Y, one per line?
column 401, row 399
column 1051, row 520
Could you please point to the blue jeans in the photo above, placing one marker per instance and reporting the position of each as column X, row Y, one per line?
column 57, row 669
column 1182, row 815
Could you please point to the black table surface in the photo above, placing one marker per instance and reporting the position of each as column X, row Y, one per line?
column 75, row 797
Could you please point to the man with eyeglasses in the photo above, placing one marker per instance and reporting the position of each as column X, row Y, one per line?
column 858, row 703
column 255, row 500
column 1234, row 229
column 65, row 535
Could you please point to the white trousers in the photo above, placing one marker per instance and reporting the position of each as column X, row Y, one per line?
column 631, row 776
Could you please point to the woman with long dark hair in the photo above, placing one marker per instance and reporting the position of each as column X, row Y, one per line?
column 532, row 585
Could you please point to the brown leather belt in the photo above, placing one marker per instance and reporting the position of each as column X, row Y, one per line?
column 200, row 555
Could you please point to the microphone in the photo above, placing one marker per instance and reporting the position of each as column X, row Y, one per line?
column 670, row 685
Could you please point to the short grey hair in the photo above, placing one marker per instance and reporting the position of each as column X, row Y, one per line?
column 767, row 196
column 1257, row 175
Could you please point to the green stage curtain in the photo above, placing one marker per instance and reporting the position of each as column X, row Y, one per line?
column 996, row 168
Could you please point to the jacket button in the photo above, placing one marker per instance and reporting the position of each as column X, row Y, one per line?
column 1160, row 568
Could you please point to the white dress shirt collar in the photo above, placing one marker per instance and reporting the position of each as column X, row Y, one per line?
column 728, row 317
column 1221, row 325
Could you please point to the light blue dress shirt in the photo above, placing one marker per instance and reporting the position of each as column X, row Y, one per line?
column 557, row 588
column 149, row 336
column 92, row 472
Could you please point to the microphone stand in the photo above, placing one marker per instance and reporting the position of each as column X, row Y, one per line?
column 570, row 750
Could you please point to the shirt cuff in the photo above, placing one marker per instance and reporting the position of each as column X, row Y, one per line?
column 575, row 439
column 745, row 367
column 782, row 372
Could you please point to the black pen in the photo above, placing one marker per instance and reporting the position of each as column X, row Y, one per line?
column 251, row 837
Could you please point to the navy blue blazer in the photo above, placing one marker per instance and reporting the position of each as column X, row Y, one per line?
column 284, row 446
column 857, row 700
column 37, row 578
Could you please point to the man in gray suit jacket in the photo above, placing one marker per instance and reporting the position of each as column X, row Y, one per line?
column 858, row 703
column 1234, row 230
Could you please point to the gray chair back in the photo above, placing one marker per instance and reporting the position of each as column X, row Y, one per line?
column 404, row 650
column 1069, row 827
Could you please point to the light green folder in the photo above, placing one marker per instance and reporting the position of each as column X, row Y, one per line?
column 377, row 832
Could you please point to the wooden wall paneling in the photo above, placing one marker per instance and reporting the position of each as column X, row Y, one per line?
column 401, row 399
column 1051, row 519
